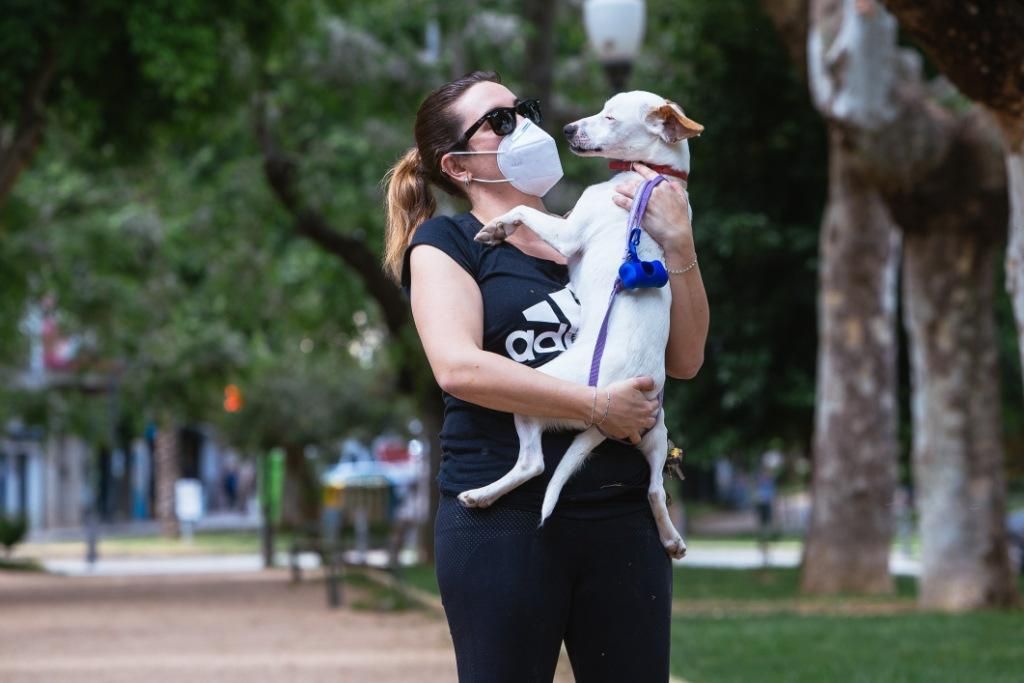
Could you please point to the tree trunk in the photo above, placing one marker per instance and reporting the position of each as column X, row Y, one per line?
column 978, row 46
column 432, row 418
column 167, row 469
column 540, row 15
column 300, row 500
column 954, row 220
column 1013, row 133
column 958, row 453
column 855, row 448
column 17, row 152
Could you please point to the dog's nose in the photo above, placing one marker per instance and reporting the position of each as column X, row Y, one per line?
column 570, row 130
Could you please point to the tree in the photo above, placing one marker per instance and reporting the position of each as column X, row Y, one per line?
column 905, row 147
column 171, row 271
column 73, row 62
column 977, row 46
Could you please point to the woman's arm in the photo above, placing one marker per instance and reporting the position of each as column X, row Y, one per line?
column 667, row 220
column 448, row 311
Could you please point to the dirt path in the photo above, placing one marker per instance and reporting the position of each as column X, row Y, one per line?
column 236, row 627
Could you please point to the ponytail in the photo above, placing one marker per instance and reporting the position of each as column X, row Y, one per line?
column 409, row 203
column 407, row 197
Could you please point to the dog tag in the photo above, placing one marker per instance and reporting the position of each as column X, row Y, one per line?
column 674, row 462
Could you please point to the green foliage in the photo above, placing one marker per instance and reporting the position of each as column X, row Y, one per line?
column 12, row 532
column 758, row 189
column 183, row 268
column 126, row 70
column 184, row 265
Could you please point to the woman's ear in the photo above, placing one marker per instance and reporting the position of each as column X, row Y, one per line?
column 452, row 167
column 671, row 124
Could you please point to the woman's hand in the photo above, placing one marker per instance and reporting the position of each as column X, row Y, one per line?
column 630, row 412
column 667, row 218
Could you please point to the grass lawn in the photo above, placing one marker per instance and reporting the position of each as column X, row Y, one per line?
column 752, row 625
column 898, row 647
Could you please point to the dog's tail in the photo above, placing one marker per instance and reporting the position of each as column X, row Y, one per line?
column 574, row 458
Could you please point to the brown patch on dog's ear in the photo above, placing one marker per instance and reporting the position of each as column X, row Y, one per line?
column 673, row 123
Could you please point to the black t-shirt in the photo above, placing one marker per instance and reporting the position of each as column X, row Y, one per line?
column 530, row 316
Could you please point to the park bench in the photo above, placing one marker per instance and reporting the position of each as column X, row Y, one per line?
column 357, row 528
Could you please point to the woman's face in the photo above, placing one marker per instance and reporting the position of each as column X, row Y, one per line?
column 474, row 103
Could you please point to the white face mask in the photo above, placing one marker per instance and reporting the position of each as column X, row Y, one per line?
column 528, row 158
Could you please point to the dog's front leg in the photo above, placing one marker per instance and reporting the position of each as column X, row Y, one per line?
column 560, row 233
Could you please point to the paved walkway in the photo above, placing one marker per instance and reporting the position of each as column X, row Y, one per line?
column 251, row 627
column 223, row 626
column 698, row 555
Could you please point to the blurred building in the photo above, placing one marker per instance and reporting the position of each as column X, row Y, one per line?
column 52, row 478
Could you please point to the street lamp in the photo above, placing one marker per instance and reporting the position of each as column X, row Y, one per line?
column 615, row 29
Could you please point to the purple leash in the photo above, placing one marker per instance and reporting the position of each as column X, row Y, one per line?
column 635, row 216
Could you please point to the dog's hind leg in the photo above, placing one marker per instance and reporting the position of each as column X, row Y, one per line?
column 575, row 455
column 528, row 466
column 655, row 448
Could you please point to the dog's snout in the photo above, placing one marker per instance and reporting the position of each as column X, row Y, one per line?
column 570, row 130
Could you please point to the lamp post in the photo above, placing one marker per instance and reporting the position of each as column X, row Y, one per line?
column 614, row 30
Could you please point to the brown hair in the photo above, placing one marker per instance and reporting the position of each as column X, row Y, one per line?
column 407, row 198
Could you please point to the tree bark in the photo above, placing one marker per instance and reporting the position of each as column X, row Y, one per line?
column 940, row 175
column 957, row 452
column 300, row 499
column 847, row 544
column 975, row 43
column 856, row 411
column 1013, row 133
column 28, row 130
column 955, row 218
column 167, row 469
column 978, row 46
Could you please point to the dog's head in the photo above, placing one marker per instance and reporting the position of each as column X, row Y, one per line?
column 636, row 126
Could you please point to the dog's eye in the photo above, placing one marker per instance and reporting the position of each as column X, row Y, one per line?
column 609, row 118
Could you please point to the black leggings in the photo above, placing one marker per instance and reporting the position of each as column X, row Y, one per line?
column 513, row 592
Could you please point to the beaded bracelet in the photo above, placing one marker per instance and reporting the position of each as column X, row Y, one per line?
column 682, row 270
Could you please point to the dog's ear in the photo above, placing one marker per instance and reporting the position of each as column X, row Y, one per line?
column 669, row 122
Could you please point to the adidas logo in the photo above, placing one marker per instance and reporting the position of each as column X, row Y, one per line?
column 525, row 345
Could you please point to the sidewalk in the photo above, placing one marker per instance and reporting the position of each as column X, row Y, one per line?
column 233, row 627
column 190, row 564
column 698, row 555
column 748, row 558
column 217, row 521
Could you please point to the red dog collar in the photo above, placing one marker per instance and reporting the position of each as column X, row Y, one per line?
column 618, row 165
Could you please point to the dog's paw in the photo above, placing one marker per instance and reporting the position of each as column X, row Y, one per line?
column 500, row 228
column 676, row 548
column 474, row 498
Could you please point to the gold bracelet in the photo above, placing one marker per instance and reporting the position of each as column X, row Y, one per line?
column 682, row 270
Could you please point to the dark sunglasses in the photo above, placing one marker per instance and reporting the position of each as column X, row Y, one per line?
column 503, row 119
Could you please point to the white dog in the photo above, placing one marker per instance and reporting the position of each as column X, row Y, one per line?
column 633, row 126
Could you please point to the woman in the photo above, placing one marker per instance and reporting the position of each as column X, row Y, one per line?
column 595, row 575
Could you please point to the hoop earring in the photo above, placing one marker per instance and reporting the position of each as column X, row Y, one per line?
column 468, row 179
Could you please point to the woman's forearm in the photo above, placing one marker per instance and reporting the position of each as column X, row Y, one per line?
column 690, row 318
column 499, row 383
